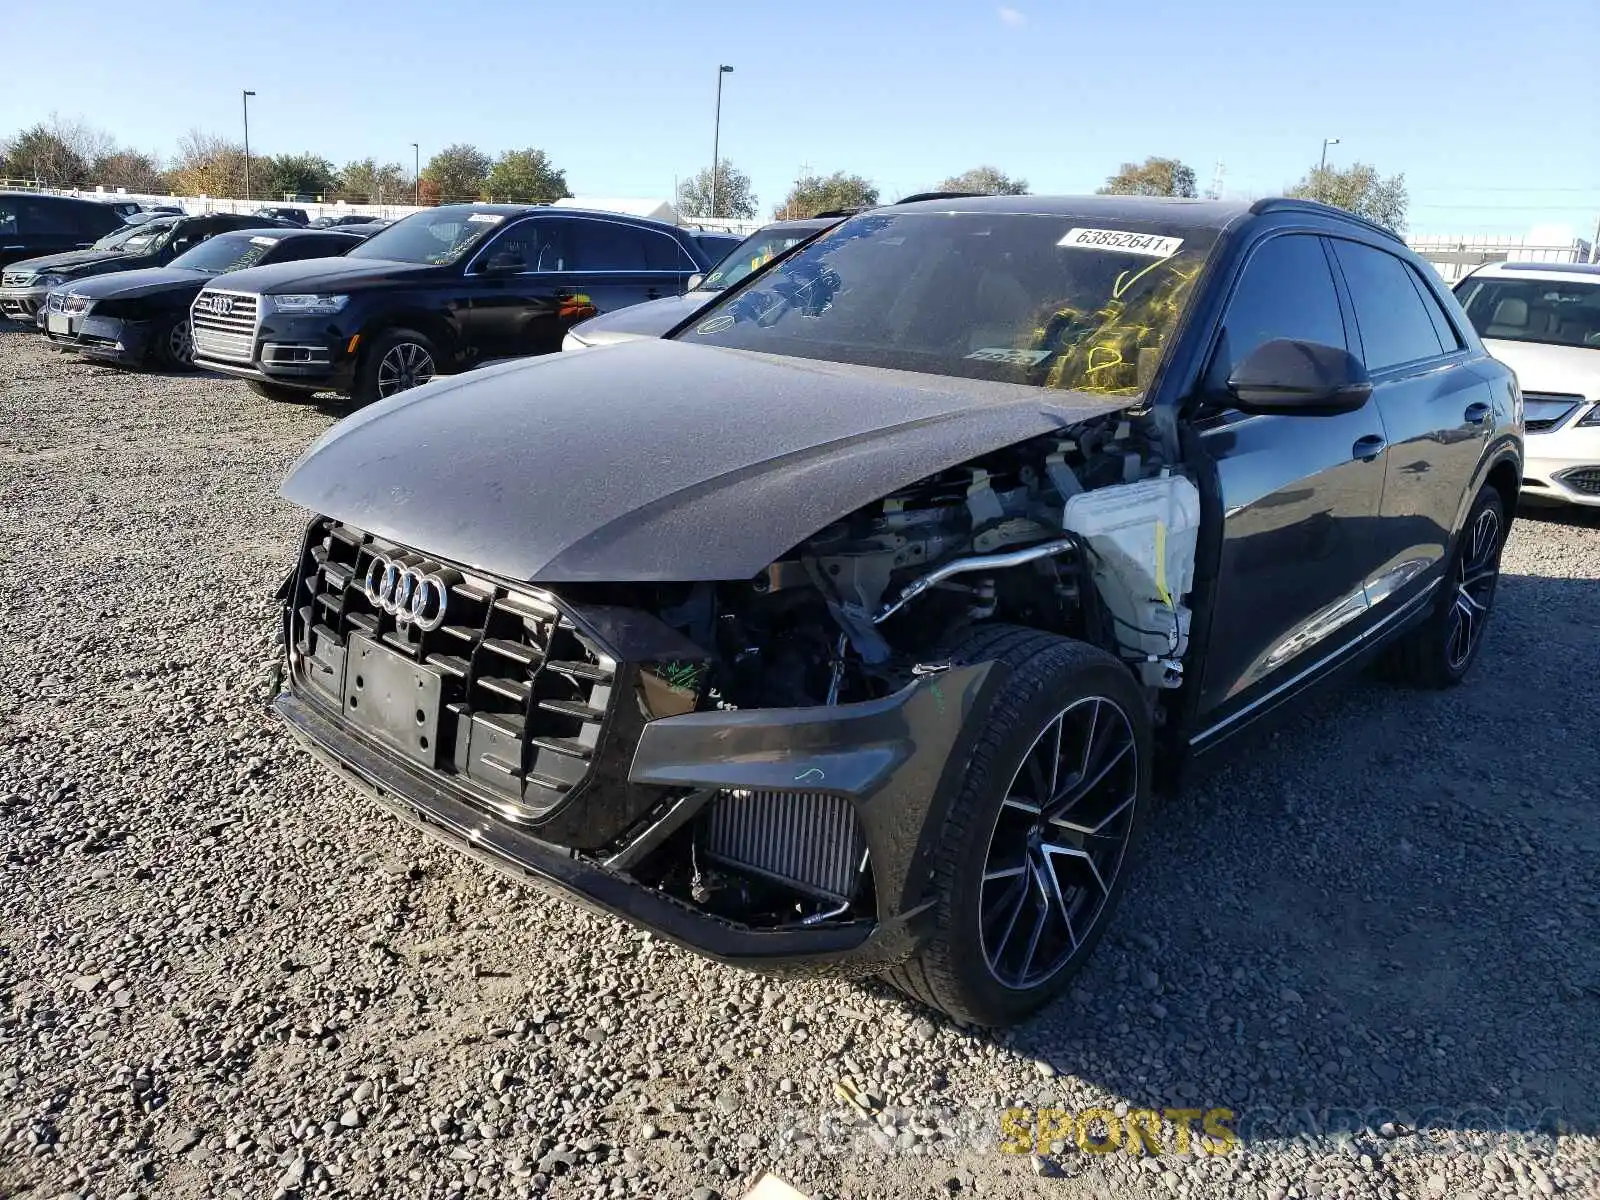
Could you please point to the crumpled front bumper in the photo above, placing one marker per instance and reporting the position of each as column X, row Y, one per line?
column 107, row 339
column 897, row 760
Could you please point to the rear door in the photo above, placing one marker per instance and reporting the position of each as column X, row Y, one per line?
column 1300, row 499
column 1438, row 413
column 617, row 264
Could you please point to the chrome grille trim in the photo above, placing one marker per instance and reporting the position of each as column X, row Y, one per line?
column 809, row 840
column 16, row 279
column 229, row 336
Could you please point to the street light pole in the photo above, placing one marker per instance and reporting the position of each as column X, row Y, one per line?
column 1322, row 166
column 716, row 138
column 416, row 171
column 246, row 98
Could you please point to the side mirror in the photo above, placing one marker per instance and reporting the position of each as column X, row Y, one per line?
column 693, row 282
column 1296, row 378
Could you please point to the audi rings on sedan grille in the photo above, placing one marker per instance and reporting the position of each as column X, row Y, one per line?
column 409, row 594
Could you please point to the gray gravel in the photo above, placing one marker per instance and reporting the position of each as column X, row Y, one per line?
column 1376, row 937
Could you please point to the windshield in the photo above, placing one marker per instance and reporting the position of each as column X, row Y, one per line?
column 755, row 251
column 117, row 239
column 226, row 252
column 1017, row 298
column 1555, row 312
column 439, row 237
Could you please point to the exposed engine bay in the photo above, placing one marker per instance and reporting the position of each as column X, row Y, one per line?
column 1090, row 533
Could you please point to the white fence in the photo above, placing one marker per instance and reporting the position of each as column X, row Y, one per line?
column 199, row 205
column 1455, row 256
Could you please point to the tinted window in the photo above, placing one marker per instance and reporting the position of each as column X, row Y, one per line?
column 310, row 247
column 613, row 246
column 1557, row 312
column 51, row 220
column 1039, row 299
column 523, row 247
column 10, row 213
column 1394, row 323
column 1286, row 291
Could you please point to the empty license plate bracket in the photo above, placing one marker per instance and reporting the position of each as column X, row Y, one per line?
column 393, row 699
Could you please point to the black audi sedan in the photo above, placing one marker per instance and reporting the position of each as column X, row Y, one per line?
column 134, row 318
column 851, row 627
column 151, row 244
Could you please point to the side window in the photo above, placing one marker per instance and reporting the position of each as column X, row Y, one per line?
column 522, row 244
column 1449, row 338
column 604, row 246
column 10, row 214
column 1395, row 326
column 1286, row 291
column 292, row 249
column 50, row 220
column 661, row 253
column 92, row 223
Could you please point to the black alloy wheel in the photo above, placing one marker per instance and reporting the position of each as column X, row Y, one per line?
column 1058, row 842
column 1477, row 572
column 1438, row 652
column 1030, row 859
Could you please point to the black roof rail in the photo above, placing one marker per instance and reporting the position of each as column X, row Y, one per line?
column 916, row 196
column 1273, row 204
column 831, row 212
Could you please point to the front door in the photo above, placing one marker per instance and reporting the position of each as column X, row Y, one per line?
column 516, row 285
column 1300, row 499
column 1437, row 413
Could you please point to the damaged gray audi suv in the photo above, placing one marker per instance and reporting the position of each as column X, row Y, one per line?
column 848, row 627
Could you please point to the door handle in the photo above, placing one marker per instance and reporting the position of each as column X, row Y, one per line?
column 565, row 293
column 1476, row 414
column 1368, row 448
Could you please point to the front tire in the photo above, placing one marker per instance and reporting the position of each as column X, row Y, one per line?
column 1439, row 652
column 393, row 362
column 1029, row 865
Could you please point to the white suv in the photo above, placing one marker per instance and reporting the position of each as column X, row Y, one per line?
column 1543, row 321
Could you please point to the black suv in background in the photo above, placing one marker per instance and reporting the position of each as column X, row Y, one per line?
column 284, row 212
column 153, row 244
column 32, row 225
column 439, row 291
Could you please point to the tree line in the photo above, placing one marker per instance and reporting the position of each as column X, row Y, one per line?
column 69, row 153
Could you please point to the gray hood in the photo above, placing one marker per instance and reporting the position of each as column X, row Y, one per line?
column 654, row 460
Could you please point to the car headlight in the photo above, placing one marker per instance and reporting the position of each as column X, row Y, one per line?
column 49, row 281
column 305, row 304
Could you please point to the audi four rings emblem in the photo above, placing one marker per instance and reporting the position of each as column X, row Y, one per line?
column 409, row 595
column 221, row 305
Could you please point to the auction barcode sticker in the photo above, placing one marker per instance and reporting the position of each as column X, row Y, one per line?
column 1152, row 244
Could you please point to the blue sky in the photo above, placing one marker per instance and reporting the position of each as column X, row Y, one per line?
column 1489, row 111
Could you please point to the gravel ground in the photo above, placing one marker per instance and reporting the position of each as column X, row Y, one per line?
column 1375, row 938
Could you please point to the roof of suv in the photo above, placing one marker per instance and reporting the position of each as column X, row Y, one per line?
column 1171, row 210
column 1570, row 272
